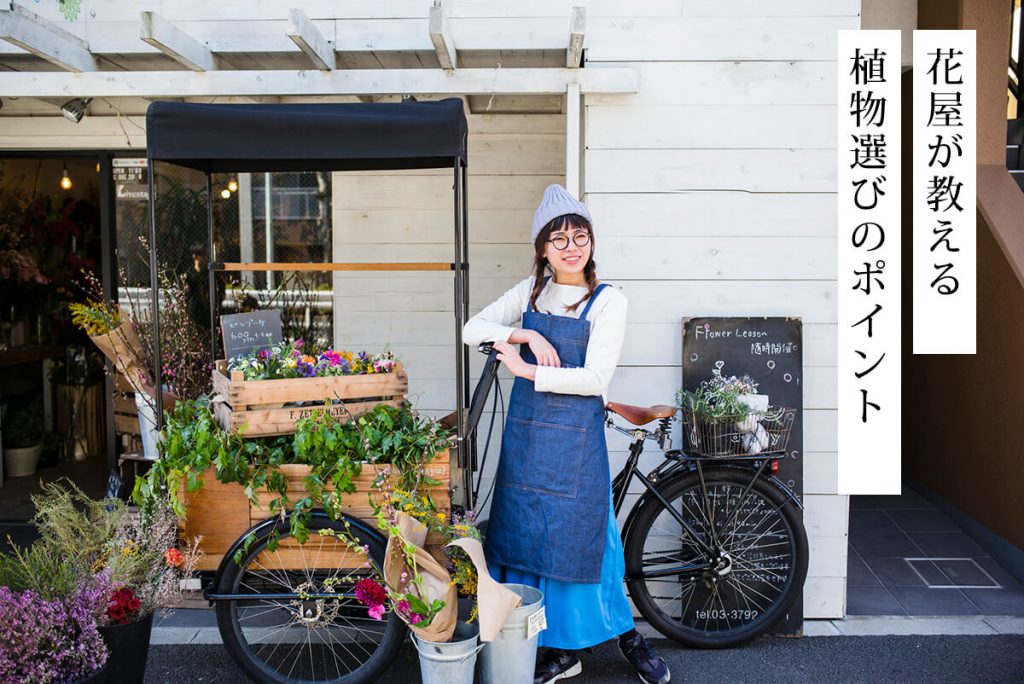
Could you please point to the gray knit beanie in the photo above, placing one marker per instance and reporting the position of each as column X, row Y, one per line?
column 556, row 202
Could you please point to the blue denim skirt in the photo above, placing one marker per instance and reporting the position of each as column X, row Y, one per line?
column 582, row 615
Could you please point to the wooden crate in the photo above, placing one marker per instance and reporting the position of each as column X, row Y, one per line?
column 221, row 513
column 270, row 407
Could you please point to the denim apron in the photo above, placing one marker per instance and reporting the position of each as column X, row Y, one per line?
column 550, row 510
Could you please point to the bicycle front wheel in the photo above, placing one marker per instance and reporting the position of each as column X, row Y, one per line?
column 716, row 600
column 286, row 625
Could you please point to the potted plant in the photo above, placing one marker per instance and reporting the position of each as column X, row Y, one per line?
column 135, row 553
column 722, row 415
column 23, row 442
column 49, row 614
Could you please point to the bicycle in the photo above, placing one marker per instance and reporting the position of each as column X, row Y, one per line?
column 715, row 548
column 716, row 551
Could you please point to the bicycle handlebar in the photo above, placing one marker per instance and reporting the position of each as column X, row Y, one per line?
column 483, row 386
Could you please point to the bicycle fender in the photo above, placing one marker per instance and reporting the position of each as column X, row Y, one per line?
column 268, row 524
column 692, row 468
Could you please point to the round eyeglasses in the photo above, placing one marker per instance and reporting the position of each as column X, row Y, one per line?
column 561, row 241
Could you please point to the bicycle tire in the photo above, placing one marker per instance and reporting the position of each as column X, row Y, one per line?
column 734, row 592
column 329, row 630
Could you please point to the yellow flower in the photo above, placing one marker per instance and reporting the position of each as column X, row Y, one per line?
column 440, row 516
column 290, row 362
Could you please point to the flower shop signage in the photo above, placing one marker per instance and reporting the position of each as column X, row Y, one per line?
column 770, row 351
column 944, row 192
column 869, row 262
column 247, row 332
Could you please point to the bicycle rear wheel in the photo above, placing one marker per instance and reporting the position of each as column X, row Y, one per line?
column 745, row 588
column 291, row 629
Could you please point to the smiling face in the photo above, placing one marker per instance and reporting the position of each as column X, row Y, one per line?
column 569, row 263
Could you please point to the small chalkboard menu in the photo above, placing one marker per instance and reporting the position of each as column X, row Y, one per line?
column 770, row 351
column 252, row 331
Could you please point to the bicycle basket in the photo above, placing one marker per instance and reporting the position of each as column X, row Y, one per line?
column 728, row 435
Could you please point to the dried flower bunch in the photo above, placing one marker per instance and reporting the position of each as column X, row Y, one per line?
column 17, row 262
column 293, row 360
column 718, row 397
column 96, row 315
column 184, row 347
column 423, row 509
column 186, row 360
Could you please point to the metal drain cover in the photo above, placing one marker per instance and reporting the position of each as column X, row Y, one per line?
column 952, row 573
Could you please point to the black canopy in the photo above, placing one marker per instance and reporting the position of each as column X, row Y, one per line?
column 307, row 137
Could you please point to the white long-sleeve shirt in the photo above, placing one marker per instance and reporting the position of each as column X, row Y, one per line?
column 607, row 328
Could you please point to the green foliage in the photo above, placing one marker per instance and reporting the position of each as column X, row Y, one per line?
column 402, row 437
column 334, row 449
column 73, row 524
column 717, row 398
column 43, row 569
column 331, row 449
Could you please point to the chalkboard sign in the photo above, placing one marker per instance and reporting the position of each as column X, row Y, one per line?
column 247, row 332
column 770, row 351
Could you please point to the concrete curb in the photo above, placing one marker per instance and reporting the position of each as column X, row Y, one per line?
column 197, row 627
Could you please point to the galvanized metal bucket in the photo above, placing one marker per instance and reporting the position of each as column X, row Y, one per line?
column 512, row 657
column 451, row 662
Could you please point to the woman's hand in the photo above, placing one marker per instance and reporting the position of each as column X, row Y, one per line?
column 509, row 356
column 542, row 349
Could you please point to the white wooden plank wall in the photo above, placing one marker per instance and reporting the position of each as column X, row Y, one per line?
column 407, row 216
column 714, row 192
column 713, row 187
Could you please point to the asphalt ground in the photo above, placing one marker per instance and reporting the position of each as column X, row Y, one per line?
column 874, row 659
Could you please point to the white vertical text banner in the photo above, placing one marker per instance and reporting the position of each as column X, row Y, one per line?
column 869, row 262
column 944, row 192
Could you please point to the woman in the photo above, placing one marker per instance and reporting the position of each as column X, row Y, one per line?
column 551, row 521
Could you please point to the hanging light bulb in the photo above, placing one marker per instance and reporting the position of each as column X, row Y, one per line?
column 233, row 185
column 65, row 181
column 225, row 193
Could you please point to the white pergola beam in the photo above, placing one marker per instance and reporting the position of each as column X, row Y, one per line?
column 577, row 28
column 441, row 36
column 160, row 84
column 311, row 41
column 572, row 139
column 44, row 39
column 175, row 43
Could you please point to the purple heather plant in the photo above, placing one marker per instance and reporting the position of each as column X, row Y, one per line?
column 52, row 641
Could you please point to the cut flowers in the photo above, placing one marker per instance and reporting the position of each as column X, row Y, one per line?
column 294, row 360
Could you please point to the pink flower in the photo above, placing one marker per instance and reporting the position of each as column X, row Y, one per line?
column 403, row 607
column 415, row 618
column 298, row 344
column 369, row 593
column 376, row 612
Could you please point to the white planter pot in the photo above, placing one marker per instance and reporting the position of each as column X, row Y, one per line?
column 758, row 404
column 23, row 461
column 147, row 425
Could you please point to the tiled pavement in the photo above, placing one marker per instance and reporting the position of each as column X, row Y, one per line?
column 908, row 558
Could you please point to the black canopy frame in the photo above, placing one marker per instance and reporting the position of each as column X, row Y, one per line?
column 216, row 138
